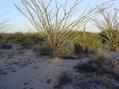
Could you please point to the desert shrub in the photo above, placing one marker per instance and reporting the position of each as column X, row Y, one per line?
column 37, row 38
column 5, row 45
column 19, row 37
column 6, row 36
column 90, row 42
column 27, row 43
column 42, row 49
column 46, row 18
column 109, row 25
column 61, row 43
column 4, row 40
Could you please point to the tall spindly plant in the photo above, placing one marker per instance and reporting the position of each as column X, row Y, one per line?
column 109, row 25
column 56, row 20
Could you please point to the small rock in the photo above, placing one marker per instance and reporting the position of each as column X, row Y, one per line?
column 26, row 83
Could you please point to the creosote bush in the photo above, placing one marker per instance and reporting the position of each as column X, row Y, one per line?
column 54, row 19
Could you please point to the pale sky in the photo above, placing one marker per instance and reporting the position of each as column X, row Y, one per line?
column 17, row 22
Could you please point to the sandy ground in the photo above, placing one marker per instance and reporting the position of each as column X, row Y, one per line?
column 24, row 70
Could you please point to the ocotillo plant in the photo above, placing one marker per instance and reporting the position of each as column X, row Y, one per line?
column 109, row 25
column 56, row 20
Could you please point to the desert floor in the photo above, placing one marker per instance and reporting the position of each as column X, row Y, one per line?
column 24, row 69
